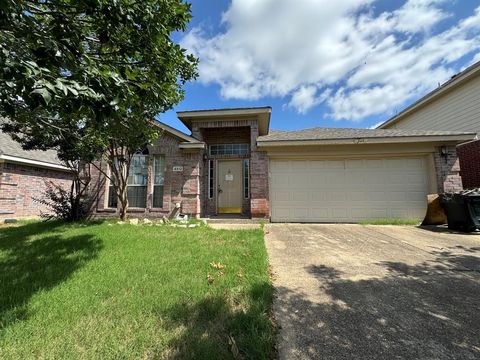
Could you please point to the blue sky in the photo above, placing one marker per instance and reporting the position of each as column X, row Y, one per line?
column 343, row 63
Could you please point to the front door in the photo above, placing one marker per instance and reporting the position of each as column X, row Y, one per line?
column 229, row 187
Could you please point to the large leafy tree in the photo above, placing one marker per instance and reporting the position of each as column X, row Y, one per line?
column 86, row 77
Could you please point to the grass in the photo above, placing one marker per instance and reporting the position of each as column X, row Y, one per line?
column 108, row 291
column 390, row 222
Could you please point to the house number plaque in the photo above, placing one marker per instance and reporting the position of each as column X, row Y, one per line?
column 178, row 168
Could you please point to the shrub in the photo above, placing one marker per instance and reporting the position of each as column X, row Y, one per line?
column 67, row 205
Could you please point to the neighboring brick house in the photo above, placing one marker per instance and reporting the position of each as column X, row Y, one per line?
column 22, row 178
column 469, row 156
column 231, row 163
column 454, row 106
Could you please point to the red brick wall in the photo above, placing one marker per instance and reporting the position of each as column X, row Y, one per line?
column 183, row 187
column 20, row 184
column 260, row 205
column 227, row 135
column 190, row 187
column 447, row 170
column 469, row 156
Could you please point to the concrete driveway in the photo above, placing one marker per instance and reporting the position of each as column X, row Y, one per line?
column 375, row 292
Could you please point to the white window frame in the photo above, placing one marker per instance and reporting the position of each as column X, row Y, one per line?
column 246, row 178
column 211, row 174
column 153, row 180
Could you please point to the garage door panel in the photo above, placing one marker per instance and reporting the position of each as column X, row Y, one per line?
column 315, row 165
column 281, row 213
column 318, row 196
column 278, row 166
column 340, row 213
column 374, row 196
column 414, row 195
column 396, row 163
column 417, row 163
column 299, row 213
column 281, row 196
column 318, row 213
column 333, row 178
column 299, row 165
column 369, row 213
column 400, row 213
column 396, row 196
column 334, row 164
column 348, row 190
column 374, row 163
column 336, row 196
column 416, row 178
column 299, row 195
column 280, row 181
column 358, row 213
column 298, row 181
column 357, row 196
column 354, row 164
column 374, row 178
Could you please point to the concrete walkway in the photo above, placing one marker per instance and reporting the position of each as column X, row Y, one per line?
column 375, row 292
column 223, row 226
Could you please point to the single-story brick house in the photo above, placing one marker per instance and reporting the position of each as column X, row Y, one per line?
column 454, row 106
column 232, row 163
column 22, row 178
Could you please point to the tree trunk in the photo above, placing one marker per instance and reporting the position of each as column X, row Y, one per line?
column 119, row 161
column 123, row 200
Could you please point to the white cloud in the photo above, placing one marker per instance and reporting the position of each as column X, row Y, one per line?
column 418, row 15
column 335, row 52
column 306, row 97
column 475, row 59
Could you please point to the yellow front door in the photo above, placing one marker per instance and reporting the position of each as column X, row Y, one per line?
column 229, row 186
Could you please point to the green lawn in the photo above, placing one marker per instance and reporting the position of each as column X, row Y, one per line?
column 103, row 291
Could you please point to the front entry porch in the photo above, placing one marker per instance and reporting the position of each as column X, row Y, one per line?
column 229, row 180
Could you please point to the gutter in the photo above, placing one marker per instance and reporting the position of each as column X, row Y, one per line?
column 383, row 140
column 38, row 163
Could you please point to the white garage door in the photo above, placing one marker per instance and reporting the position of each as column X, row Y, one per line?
column 348, row 190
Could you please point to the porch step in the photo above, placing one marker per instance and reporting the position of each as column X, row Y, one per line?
column 226, row 220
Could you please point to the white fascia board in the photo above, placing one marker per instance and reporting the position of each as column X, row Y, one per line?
column 386, row 140
column 43, row 164
column 224, row 112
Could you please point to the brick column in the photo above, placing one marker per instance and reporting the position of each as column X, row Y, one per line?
column 447, row 168
column 259, row 205
column 259, row 196
column 189, row 183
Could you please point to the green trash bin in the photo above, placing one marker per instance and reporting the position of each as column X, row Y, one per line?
column 463, row 210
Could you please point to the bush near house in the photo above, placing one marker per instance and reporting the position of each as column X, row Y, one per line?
column 109, row 291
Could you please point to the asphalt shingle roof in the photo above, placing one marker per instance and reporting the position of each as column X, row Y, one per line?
column 319, row 133
column 8, row 146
